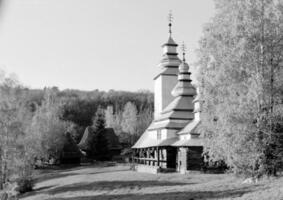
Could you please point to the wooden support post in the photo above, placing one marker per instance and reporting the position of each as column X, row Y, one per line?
column 158, row 157
column 140, row 156
column 147, row 156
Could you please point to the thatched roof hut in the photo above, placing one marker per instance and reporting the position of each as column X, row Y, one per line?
column 112, row 139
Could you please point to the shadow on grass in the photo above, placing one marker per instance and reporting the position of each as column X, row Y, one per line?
column 111, row 185
column 190, row 195
column 63, row 168
column 36, row 191
column 53, row 175
column 64, row 172
column 110, row 171
column 46, row 177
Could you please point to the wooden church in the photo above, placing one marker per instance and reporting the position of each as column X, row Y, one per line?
column 172, row 141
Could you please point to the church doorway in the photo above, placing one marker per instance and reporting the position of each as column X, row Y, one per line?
column 171, row 157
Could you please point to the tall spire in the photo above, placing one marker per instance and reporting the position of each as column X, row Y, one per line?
column 170, row 55
column 184, row 48
column 170, row 20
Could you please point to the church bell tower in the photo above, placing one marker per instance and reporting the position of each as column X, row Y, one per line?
column 165, row 81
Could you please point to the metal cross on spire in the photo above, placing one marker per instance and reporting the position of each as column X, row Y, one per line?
column 184, row 49
column 170, row 19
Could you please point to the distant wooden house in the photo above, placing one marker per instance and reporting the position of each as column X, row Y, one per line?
column 112, row 140
column 71, row 153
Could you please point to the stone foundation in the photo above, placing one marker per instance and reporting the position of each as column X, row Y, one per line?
column 147, row 169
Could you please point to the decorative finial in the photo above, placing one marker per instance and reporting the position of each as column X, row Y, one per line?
column 184, row 49
column 170, row 20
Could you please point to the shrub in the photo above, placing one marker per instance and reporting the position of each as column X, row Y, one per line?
column 25, row 184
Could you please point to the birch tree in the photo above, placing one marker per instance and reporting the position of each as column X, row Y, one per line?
column 240, row 75
column 14, row 117
column 129, row 121
column 47, row 127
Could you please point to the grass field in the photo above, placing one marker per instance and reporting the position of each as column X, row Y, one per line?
column 118, row 182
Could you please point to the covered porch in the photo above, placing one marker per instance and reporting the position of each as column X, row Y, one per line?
column 160, row 156
column 171, row 155
column 155, row 154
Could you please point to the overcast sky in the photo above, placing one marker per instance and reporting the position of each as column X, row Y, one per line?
column 95, row 44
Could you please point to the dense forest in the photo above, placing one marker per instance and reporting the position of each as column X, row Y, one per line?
column 33, row 123
column 79, row 108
